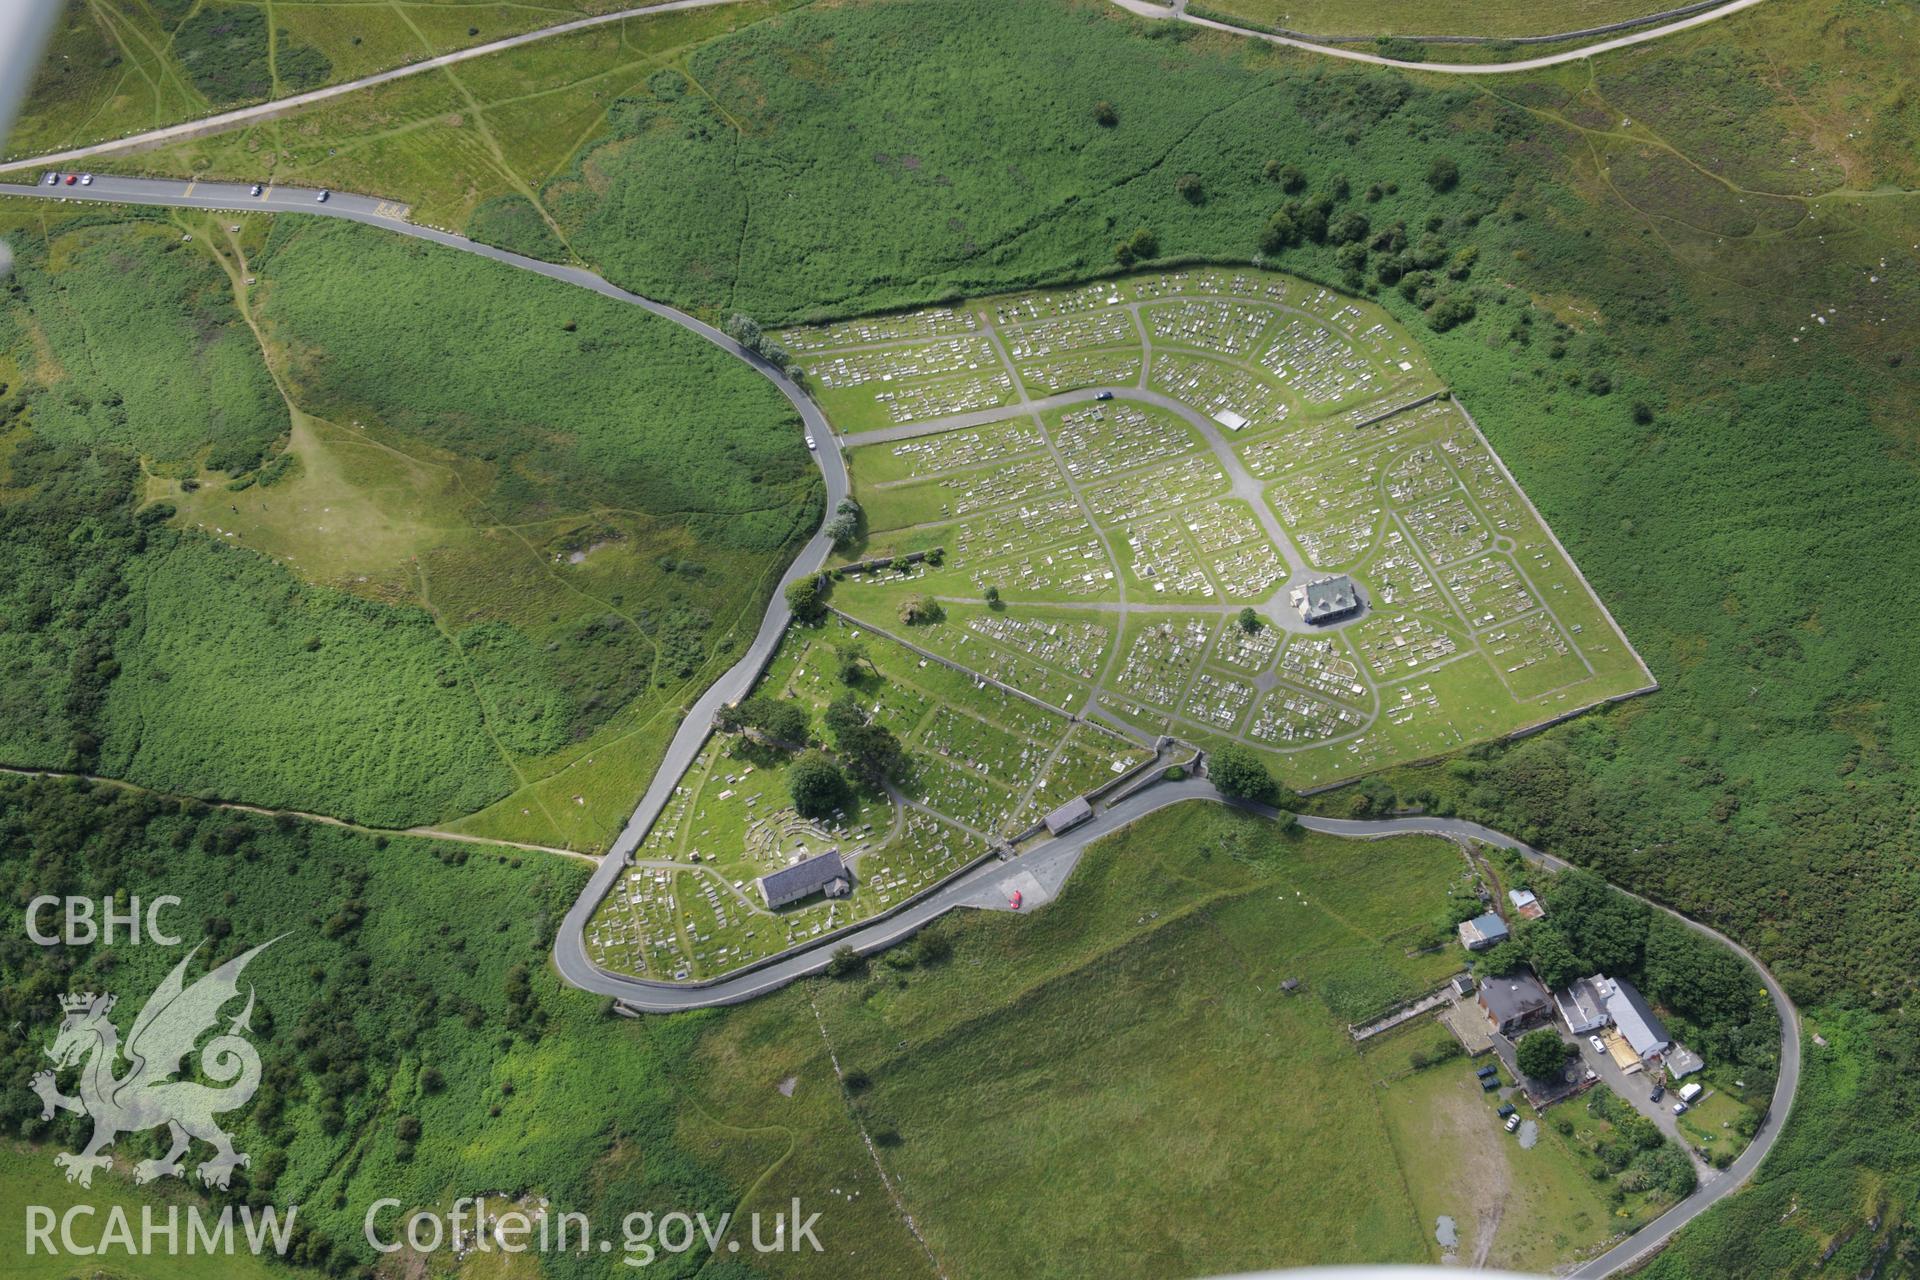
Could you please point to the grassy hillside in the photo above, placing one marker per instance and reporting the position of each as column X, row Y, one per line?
column 467, row 547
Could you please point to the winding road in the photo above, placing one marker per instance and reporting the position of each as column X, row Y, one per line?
column 1049, row 862
column 1141, row 8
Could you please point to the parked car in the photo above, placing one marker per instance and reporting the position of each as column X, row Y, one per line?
column 86, row 179
column 1016, row 900
column 1680, row 1108
column 72, row 178
column 1659, row 1092
column 53, row 179
column 1513, row 1122
column 1599, row 1045
column 256, row 189
column 322, row 197
column 1104, row 395
column 1506, row 1109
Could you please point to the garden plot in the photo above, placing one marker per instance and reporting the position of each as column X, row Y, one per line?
column 1162, row 560
column 1215, row 526
column 1082, row 369
column 1161, row 658
column 1236, row 398
column 1245, row 652
column 1250, row 571
column 1174, row 484
column 1325, row 665
column 1101, row 439
column 1211, row 324
column 933, row 322
column 1394, row 644
column 1110, row 327
column 1320, row 366
column 1488, row 590
column 1293, row 717
column 1448, row 529
column 1217, row 700
column 925, row 456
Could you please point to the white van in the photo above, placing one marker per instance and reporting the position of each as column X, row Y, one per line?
column 1689, row 1092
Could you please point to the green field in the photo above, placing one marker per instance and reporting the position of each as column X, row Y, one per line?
column 376, row 574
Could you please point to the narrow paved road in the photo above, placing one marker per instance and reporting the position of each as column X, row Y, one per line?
column 569, row 952
column 1142, row 8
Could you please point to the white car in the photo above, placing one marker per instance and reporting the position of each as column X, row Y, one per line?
column 1599, row 1045
column 811, row 442
column 53, row 179
column 322, row 197
column 86, row 179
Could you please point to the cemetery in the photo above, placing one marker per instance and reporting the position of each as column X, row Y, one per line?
column 1175, row 448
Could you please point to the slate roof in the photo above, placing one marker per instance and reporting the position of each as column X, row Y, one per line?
column 790, row 884
column 1325, row 599
column 1071, row 814
column 1635, row 1019
column 1516, row 996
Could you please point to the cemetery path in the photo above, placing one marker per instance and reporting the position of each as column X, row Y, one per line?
column 569, row 951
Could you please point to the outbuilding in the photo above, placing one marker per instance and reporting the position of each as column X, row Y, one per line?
column 1482, row 932
column 1069, row 815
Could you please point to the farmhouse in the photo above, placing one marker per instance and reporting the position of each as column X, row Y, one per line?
column 824, row 874
column 1327, row 599
column 1069, row 815
column 1482, row 932
column 1514, row 1002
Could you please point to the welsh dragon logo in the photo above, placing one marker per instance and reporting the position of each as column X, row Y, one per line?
column 147, row 1096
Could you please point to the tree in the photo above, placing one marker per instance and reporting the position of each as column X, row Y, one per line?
column 1541, row 1054
column 1239, row 773
column 781, row 719
column 845, row 962
column 854, row 662
column 993, row 597
column 1138, row 247
column 1551, row 955
column 1280, row 232
column 870, row 750
column 1449, row 310
column 1105, row 115
column 920, row 611
column 1249, row 620
column 841, row 529
column 1289, row 176
column 1443, row 174
column 807, row 597
column 1508, row 957
column 1348, row 228
column 1189, row 188
column 816, row 785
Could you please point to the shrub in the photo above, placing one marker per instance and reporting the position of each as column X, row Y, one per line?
column 816, row 785
column 1239, row 773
